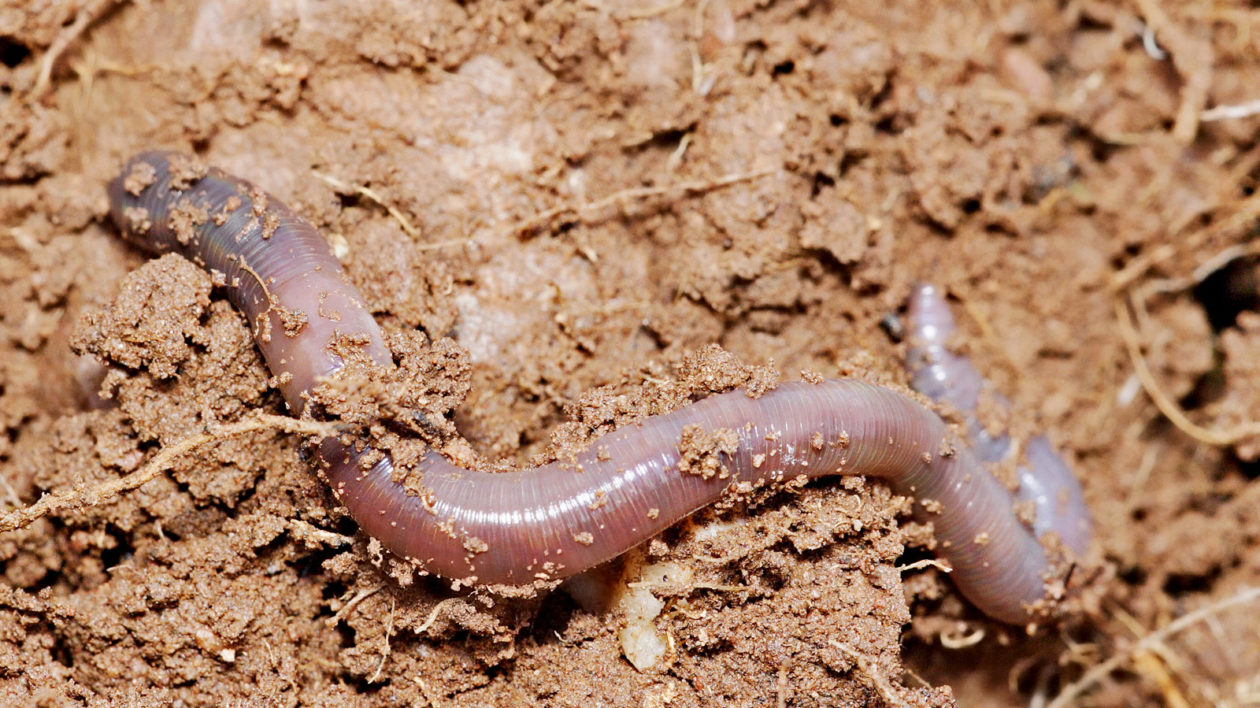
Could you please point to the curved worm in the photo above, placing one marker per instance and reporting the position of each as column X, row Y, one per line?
column 562, row 518
column 940, row 374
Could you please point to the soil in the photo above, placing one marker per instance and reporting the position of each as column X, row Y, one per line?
column 557, row 209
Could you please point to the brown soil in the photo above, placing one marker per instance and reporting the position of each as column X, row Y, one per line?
column 786, row 170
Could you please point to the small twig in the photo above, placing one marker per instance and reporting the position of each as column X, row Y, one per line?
column 1147, row 643
column 1201, row 271
column 433, row 615
column 693, row 48
column 81, row 496
column 882, row 685
column 1166, row 405
column 315, row 537
column 63, row 41
column 1150, row 44
column 439, row 245
column 1238, row 110
column 343, row 186
column 962, row 641
column 1155, row 668
column 650, row 12
column 13, row 497
column 925, row 563
column 1192, row 58
column 389, row 629
column 353, row 602
column 694, row 186
column 1244, row 213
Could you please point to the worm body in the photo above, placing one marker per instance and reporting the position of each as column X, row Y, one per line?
column 935, row 371
column 565, row 517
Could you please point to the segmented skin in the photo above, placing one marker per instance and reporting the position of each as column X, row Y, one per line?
column 944, row 376
column 565, row 517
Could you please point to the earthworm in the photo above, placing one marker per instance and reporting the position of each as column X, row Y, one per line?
column 558, row 519
column 946, row 377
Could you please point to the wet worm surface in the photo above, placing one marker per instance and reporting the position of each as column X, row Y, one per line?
column 1044, row 478
column 565, row 517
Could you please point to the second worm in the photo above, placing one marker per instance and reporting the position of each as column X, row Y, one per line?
column 1045, row 480
column 561, row 519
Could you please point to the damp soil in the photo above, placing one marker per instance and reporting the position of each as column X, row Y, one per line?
column 558, row 210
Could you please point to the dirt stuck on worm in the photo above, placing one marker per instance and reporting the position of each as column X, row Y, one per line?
column 557, row 210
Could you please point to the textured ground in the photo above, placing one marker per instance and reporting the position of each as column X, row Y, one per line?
column 572, row 201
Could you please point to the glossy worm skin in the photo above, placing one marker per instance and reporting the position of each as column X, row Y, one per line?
column 563, row 518
column 946, row 377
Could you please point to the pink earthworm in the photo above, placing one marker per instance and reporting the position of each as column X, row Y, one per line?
column 1045, row 479
column 562, row 518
